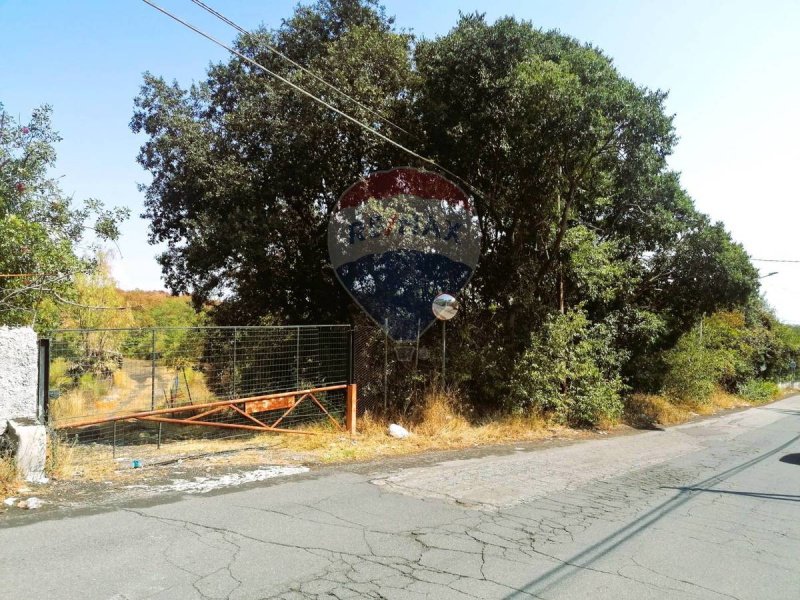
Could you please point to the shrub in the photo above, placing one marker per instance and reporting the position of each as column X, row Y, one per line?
column 758, row 390
column 692, row 370
column 571, row 371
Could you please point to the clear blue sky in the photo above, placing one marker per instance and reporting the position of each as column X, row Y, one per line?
column 732, row 69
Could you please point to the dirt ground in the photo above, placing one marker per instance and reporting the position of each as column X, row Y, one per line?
column 241, row 462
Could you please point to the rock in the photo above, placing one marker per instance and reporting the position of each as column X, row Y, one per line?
column 31, row 503
column 28, row 438
column 396, row 431
column 9, row 501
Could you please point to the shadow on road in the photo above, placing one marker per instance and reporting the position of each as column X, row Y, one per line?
column 597, row 551
column 792, row 459
column 783, row 411
column 764, row 495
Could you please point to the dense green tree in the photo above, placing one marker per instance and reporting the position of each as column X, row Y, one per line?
column 246, row 171
column 564, row 158
column 40, row 227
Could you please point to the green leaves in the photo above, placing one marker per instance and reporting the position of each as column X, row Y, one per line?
column 40, row 227
column 578, row 209
column 571, row 370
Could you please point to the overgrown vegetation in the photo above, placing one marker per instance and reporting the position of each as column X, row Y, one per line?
column 598, row 276
column 41, row 228
column 571, row 371
column 602, row 293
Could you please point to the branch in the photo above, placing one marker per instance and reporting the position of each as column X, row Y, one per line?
column 71, row 303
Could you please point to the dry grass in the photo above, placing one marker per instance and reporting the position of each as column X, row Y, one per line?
column 437, row 425
column 9, row 476
column 71, row 461
column 722, row 400
column 70, row 405
column 96, row 462
column 93, row 397
column 122, row 381
column 59, row 462
column 644, row 410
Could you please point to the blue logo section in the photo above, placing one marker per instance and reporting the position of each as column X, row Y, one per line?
column 397, row 287
column 397, row 240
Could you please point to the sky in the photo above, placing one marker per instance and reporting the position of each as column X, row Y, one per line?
column 731, row 69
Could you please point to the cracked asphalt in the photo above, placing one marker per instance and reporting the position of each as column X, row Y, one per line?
column 705, row 510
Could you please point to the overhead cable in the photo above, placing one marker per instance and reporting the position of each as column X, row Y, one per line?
column 303, row 91
column 294, row 63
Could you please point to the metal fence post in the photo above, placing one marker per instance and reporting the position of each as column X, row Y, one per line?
column 444, row 351
column 297, row 359
column 43, row 405
column 235, row 348
column 386, row 369
column 153, row 371
column 351, row 358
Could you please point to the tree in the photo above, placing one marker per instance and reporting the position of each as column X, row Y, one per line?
column 565, row 160
column 40, row 228
column 246, row 171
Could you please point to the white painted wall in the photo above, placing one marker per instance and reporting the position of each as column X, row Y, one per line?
column 18, row 374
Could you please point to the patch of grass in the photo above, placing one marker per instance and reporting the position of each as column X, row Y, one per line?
column 439, row 415
column 59, row 377
column 70, row 405
column 759, row 391
column 122, row 381
column 59, row 463
column 722, row 400
column 73, row 461
column 9, row 475
column 438, row 424
column 647, row 410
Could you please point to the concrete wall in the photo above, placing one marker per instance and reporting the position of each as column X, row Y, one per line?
column 18, row 374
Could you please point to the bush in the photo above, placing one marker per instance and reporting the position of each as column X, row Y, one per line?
column 570, row 371
column 692, row 370
column 758, row 390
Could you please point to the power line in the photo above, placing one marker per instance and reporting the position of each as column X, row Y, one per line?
column 294, row 86
column 774, row 260
column 294, row 63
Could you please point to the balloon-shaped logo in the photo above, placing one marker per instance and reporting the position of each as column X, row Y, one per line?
column 397, row 240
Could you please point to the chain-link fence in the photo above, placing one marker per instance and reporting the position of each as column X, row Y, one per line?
column 391, row 376
column 146, row 393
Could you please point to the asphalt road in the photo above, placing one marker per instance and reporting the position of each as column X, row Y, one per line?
column 706, row 510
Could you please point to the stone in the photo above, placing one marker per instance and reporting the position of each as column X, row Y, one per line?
column 397, row 431
column 28, row 442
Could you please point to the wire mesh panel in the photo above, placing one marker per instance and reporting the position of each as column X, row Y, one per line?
column 370, row 358
column 144, row 393
column 390, row 376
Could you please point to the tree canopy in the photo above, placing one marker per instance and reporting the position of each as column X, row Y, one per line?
column 565, row 158
column 40, row 227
